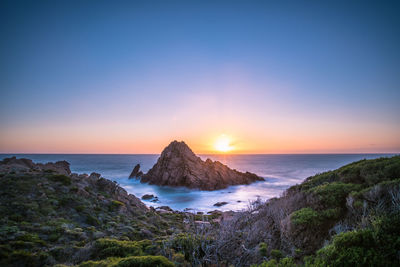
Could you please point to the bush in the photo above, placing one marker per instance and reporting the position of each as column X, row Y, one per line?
column 187, row 244
column 145, row 261
column 60, row 178
column 115, row 205
column 351, row 248
column 134, row 261
column 377, row 246
column 287, row 262
column 305, row 216
column 103, row 263
column 368, row 172
column 92, row 220
column 270, row 263
column 25, row 258
column 263, row 249
column 116, row 248
column 276, row 254
column 334, row 194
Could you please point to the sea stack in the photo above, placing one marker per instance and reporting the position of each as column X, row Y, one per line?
column 136, row 173
column 179, row 166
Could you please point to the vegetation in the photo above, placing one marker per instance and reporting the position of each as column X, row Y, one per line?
column 306, row 216
column 346, row 217
column 47, row 218
column 139, row 261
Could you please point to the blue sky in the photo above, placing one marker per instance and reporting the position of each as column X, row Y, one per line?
column 129, row 76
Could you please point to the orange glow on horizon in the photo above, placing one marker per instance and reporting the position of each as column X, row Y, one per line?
column 223, row 144
column 105, row 139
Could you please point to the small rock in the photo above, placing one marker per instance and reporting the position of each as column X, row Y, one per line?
column 155, row 200
column 165, row 208
column 161, row 211
column 95, row 175
column 147, row 197
column 219, row 204
column 135, row 172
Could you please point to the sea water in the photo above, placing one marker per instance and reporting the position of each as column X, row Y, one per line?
column 280, row 172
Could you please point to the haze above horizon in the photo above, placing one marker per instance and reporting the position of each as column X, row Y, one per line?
column 242, row 77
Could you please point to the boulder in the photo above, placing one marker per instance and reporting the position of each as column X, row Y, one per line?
column 219, row 204
column 147, row 196
column 179, row 166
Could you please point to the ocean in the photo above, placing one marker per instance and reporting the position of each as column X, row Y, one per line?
column 280, row 172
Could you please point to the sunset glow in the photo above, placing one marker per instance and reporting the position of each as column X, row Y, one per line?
column 223, row 144
column 190, row 72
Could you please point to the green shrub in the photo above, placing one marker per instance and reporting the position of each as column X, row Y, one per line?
column 92, row 220
column 189, row 245
column 103, row 263
column 369, row 172
column 80, row 208
column 145, row 261
column 334, row 194
column 287, row 262
column 306, row 216
column 377, row 246
column 270, row 263
column 116, row 248
column 34, row 238
column 60, row 178
column 263, row 249
column 117, row 203
column 351, row 248
column 25, row 258
column 276, row 254
column 21, row 244
column 331, row 214
column 134, row 261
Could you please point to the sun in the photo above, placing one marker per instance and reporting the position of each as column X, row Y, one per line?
column 223, row 144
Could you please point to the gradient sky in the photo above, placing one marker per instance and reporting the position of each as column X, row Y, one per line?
column 129, row 77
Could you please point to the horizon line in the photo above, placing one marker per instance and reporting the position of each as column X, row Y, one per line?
column 225, row 154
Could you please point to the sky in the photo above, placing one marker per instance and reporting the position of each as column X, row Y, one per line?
column 131, row 76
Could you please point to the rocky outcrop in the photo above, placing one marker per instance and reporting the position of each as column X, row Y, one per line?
column 84, row 184
column 136, row 172
column 179, row 166
column 15, row 165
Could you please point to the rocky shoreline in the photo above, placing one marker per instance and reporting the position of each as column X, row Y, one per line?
column 84, row 181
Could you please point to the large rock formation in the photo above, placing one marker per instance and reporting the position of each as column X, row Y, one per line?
column 179, row 166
